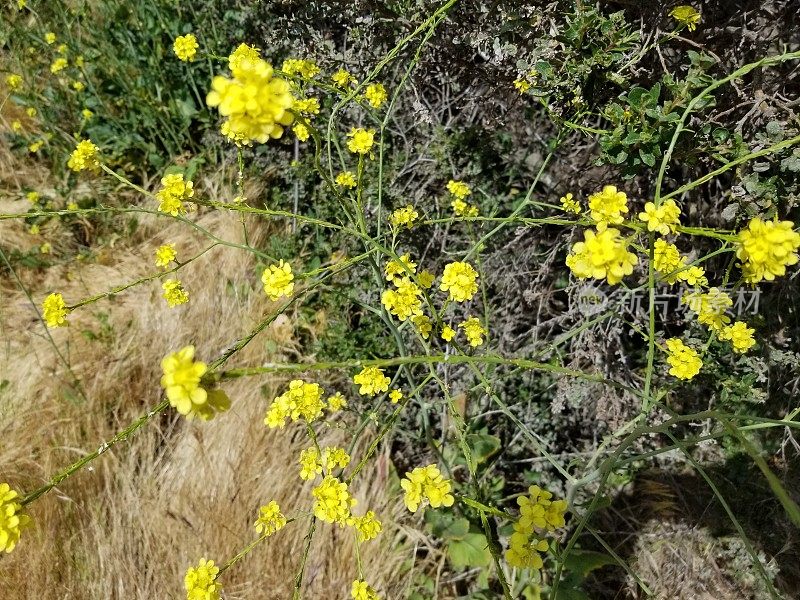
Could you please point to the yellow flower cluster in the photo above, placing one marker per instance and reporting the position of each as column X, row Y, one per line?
column 668, row 261
column 426, row 483
column 182, row 382
column 54, row 310
column 84, row 157
column 173, row 193
column 459, row 189
column 200, row 581
column 361, row 140
column 185, row 47
column 332, row 501
column 336, row 402
column 395, row 396
column 608, row 205
column 301, row 401
column 405, row 216
column 569, row 204
column 58, row 65
column 739, row 335
column 270, row 519
column 13, row 81
column 710, row 307
column 538, row 512
column 405, row 300
column 372, row 381
column 174, row 293
column 766, row 248
column 684, row 361
column 473, row 330
column 663, row 219
column 165, row 254
column 362, row 591
column 343, row 78
column 601, row 255
column 375, row 94
column 50, row 38
column 367, row 527
column 255, row 103
column 346, row 179
column 448, row 333
column 307, row 69
column 312, row 463
column 12, row 519
column 242, row 53
column 278, row 280
column 686, row 15
column 460, row 279
column 403, row 267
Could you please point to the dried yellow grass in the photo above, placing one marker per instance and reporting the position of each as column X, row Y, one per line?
column 129, row 526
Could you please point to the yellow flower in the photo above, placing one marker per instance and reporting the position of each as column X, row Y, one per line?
column 182, row 382
column 36, row 146
column 54, row 310
column 33, row 197
column 310, row 464
column 270, row 519
column 404, row 216
column 333, row 457
column 343, row 78
column 395, row 396
column 362, row 591
column 58, row 65
column 241, row 54
column 346, row 179
column 367, row 527
column 663, row 219
column 426, row 483
column 524, row 549
column 372, row 381
column 684, row 362
column 448, row 333
column 12, row 519
column 307, row 69
column 85, row 156
column 608, row 205
column 569, row 204
column 45, row 248
column 50, row 38
column 174, row 293
column 710, row 307
column 87, row 114
column 361, row 140
column 405, row 301
column 395, row 269
column 278, row 280
column 301, row 401
column 13, row 81
column 336, row 402
column 30, row 111
column 423, row 324
column 255, row 103
column 766, row 249
column 78, row 86
column 462, row 209
column 72, row 206
column 307, row 105
column 522, row 85
column 34, row 230
column 165, row 255
column 473, row 330
column 459, row 189
column 200, row 581
column 667, row 260
column 185, row 47
column 301, row 131
column 602, row 255
column 332, row 501
column 62, row 49
column 426, row 279
column 686, row 15
column 375, row 94
column 21, row 4
column 174, row 191
column 460, row 279
column 739, row 335
column 538, row 511
column 16, row 125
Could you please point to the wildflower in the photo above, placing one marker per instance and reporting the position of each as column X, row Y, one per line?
column 667, row 260
column 72, row 206
column 766, row 248
column 569, row 204
column 405, row 301
column 45, row 248
column 346, row 179
column 255, row 103
column 663, row 219
column 710, row 307
column 16, row 125
column 423, row 324
column 601, row 255
column 361, row 140
column 739, row 335
column 78, row 86
column 30, row 111
column 12, row 519
column 85, row 156
column 343, row 78
column 684, row 361
column 165, row 255
column 395, row 396
column 522, row 85
column 426, row 483
column 301, row 131
column 301, row 401
column 372, row 381
column 34, row 230
column 199, row 581
column 58, row 65
column 21, row 4
column 13, row 81
column 54, row 310
column 174, row 293
column 693, row 275
column 241, row 54
column 333, row 502
column 336, row 402
column 404, row 216
column 270, row 519
column 448, row 333
column 333, row 457
column 461, row 280
column 185, row 47
column 524, row 549
column 307, row 105
column 278, row 280
column 173, row 193
column 426, row 279
column 181, row 381
column 608, row 205
column 310, row 464
column 538, row 511
column 307, row 69
column 367, row 527
column 62, row 49
column 459, row 189
column 686, row 15
column 473, row 330
column 375, row 94
column 87, row 114
column 362, row 591
column 395, row 269
column 36, row 146
column 33, row 196
column 462, row 209
column 50, row 38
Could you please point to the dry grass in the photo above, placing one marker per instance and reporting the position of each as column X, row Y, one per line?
column 129, row 526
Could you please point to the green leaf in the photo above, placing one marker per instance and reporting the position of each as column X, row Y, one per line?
column 647, row 158
column 586, row 561
column 472, row 551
